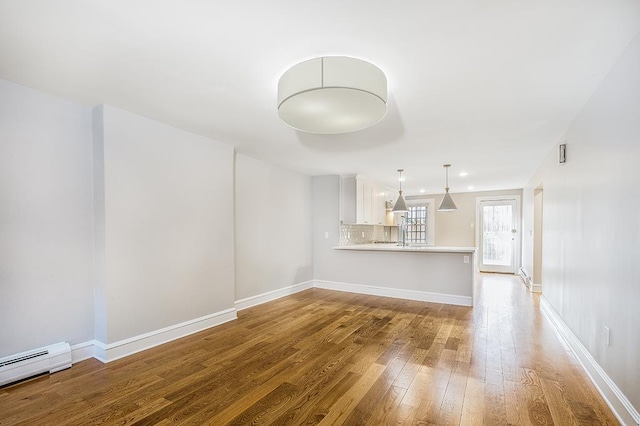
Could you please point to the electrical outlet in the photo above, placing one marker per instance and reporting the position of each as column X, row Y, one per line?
column 607, row 336
column 363, row 234
column 465, row 259
column 326, row 235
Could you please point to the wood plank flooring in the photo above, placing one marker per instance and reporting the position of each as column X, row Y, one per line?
column 322, row 357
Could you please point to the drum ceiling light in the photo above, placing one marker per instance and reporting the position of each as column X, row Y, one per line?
column 332, row 94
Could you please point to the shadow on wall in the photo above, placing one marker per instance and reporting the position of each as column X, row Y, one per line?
column 303, row 274
column 387, row 131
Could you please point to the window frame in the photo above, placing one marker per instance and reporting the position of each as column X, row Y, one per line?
column 430, row 204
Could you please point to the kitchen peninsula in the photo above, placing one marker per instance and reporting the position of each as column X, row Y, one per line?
column 427, row 273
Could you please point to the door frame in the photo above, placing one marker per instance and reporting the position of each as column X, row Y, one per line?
column 517, row 261
column 538, row 237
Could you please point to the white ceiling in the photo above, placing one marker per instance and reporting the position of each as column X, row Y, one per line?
column 488, row 86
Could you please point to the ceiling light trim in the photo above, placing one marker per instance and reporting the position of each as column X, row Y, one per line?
column 331, row 87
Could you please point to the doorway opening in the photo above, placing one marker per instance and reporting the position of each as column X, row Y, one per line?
column 498, row 234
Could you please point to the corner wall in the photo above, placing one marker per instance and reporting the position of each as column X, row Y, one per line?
column 168, row 226
column 591, row 226
column 46, row 263
column 273, row 228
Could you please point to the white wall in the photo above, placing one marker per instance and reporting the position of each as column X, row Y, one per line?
column 45, row 220
column 113, row 225
column 273, row 227
column 325, row 215
column 591, row 225
column 537, row 237
column 168, row 225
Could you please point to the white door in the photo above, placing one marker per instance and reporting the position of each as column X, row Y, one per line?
column 498, row 235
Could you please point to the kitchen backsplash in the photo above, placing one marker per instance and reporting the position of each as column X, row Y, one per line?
column 366, row 234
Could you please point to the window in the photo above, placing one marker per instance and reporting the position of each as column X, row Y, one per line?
column 420, row 220
column 417, row 224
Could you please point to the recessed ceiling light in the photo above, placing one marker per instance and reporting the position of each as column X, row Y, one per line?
column 469, row 187
column 463, row 174
column 422, row 191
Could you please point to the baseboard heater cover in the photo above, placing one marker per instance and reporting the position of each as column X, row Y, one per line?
column 23, row 365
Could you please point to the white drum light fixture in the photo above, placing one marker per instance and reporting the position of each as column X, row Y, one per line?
column 447, row 204
column 332, row 94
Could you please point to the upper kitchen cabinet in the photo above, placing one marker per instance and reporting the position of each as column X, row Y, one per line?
column 363, row 201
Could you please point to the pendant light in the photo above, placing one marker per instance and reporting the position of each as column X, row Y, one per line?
column 401, row 204
column 447, row 204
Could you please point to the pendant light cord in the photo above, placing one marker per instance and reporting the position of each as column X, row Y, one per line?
column 447, row 178
column 446, row 170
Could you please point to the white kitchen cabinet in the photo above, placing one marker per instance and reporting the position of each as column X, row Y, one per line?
column 363, row 201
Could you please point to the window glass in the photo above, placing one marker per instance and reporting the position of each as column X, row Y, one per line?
column 416, row 219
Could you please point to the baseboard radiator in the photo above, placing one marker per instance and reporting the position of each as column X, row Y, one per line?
column 23, row 365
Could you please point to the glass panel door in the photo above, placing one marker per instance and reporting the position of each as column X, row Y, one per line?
column 498, row 231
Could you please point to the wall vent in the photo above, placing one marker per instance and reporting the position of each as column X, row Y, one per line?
column 37, row 361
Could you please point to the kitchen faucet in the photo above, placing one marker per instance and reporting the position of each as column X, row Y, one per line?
column 403, row 230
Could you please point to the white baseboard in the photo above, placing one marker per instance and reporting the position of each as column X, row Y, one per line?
column 536, row 288
column 422, row 296
column 107, row 352
column 272, row 295
column 617, row 401
column 82, row 351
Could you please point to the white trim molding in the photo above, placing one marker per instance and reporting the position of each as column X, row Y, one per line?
column 82, row 351
column 259, row 299
column 422, row 296
column 107, row 352
column 617, row 401
column 536, row 288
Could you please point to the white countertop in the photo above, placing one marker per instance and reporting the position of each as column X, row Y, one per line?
column 397, row 248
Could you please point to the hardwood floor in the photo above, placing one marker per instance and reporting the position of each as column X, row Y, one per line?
column 336, row 358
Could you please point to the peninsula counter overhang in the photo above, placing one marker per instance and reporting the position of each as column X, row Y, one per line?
column 411, row 249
